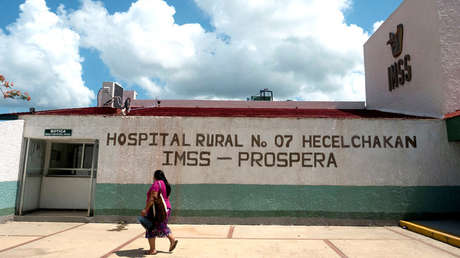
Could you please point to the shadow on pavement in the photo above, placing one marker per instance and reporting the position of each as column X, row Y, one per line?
column 451, row 227
column 119, row 227
column 139, row 252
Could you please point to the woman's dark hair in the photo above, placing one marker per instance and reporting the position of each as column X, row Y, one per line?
column 159, row 175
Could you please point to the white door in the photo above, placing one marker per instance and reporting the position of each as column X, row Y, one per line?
column 32, row 175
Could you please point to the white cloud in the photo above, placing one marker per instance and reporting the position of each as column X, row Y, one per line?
column 40, row 54
column 376, row 25
column 141, row 43
column 298, row 48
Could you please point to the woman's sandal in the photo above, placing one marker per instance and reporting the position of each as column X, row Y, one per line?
column 173, row 245
column 148, row 252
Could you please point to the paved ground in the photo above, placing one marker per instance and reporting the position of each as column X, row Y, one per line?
column 52, row 239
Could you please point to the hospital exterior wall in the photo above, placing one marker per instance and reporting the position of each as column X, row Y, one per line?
column 10, row 144
column 373, row 182
column 431, row 39
column 449, row 13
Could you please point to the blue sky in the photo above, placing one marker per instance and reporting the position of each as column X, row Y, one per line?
column 208, row 49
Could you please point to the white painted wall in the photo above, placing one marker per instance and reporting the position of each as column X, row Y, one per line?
column 10, row 144
column 32, row 193
column 431, row 38
column 433, row 163
column 64, row 193
column 449, row 28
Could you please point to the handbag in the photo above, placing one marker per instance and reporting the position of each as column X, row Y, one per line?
column 159, row 207
column 146, row 221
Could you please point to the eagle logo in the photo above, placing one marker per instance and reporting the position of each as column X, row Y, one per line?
column 396, row 41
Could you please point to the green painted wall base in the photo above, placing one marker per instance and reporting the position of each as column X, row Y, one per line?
column 8, row 191
column 453, row 128
column 6, row 211
column 341, row 202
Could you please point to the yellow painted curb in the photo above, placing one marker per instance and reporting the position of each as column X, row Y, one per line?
column 429, row 232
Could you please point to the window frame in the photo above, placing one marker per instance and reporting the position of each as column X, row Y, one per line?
column 91, row 170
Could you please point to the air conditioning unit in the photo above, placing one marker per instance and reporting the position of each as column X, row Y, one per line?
column 110, row 95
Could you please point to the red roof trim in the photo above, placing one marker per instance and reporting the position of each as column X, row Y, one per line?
column 76, row 111
column 228, row 112
column 263, row 112
column 452, row 115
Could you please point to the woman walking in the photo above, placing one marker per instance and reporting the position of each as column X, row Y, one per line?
column 158, row 228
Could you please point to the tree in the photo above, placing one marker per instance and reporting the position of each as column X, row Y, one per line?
column 6, row 87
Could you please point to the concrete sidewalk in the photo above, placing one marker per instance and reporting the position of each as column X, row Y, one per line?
column 53, row 239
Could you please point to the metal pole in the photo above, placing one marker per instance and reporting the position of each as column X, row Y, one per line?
column 23, row 183
column 45, row 169
column 82, row 155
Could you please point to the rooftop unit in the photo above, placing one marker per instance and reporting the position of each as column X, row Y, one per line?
column 110, row 95
column 264, row 95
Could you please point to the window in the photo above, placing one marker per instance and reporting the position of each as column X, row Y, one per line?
column 36, row 156
column 70, row 159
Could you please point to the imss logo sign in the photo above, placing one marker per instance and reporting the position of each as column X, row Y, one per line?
column 400, row 71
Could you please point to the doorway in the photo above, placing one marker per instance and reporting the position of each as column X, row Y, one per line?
column 58, row 175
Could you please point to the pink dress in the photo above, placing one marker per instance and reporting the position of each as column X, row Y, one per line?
column 160, row 229
column 156, row 188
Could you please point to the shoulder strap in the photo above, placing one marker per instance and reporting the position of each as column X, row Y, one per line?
column 160, row 192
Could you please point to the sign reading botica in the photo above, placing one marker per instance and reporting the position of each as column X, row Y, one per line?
column 401, row 71
column 58, row 132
